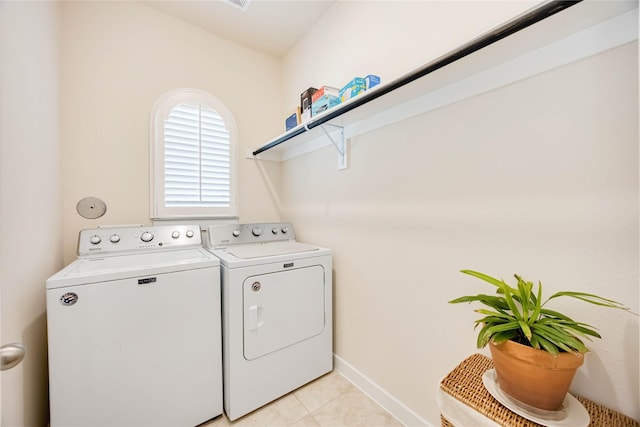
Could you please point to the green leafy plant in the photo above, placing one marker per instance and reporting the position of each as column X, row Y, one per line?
column 518, row 314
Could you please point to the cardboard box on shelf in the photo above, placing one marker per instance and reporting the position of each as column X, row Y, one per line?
column 323, row 104
column 323, row 91
column 371, row 81
column 353, row 88
column 292, row 119
column 305, row 104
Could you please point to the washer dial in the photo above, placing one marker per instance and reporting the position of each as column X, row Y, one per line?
column 146, row 237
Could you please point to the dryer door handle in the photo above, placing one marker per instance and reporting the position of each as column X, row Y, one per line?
column 255, row 317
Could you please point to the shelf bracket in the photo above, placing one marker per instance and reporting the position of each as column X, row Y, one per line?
column 340, row 144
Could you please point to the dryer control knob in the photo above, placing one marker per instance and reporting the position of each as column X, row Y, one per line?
column 189, row 233
column 285, row 230
column 146, row 237
column 256, row 231
column 175, row 234
column 236, row 233
column 95, row 239
column 114, row 238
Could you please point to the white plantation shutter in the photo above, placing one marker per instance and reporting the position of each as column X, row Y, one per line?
column 193, row 157
column 197, row 163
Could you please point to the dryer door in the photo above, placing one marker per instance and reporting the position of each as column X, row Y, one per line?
column 282, row 308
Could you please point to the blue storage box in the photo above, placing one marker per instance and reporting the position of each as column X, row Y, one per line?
column 323, row 104
column 353, row 88
column 292, row 120
column 371, row 81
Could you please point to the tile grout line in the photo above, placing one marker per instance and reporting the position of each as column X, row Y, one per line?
column 315, row 411
column 303, row 405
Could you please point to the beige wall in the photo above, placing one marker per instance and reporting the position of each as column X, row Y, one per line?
column 538, row 178
column 117, row 59
column 30, row 208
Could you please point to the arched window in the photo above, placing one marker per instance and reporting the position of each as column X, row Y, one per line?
column 193, row 157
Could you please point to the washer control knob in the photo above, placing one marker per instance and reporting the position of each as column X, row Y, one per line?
column 175, row 234
column 114, row 238
column 256, row 231
column 285, row 230
column 95, row 239
column 274, row 230
column 189, row 233
column 146, row 237
column 236, row 233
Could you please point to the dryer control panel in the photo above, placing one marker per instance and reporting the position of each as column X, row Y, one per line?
column 138, row 239
column 230, row 234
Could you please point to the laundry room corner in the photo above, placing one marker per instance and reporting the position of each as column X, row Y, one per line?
column 537, row 177
column 110, row 83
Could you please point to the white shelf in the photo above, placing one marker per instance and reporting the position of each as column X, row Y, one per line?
column 552, row 35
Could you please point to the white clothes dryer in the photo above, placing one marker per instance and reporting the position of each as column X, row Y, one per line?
column 134, row 330
column 276, row 312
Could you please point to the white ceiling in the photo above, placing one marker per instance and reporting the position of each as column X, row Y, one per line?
column 270, row 26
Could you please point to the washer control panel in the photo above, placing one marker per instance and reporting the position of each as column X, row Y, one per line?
column 223, row 235
column 111, row 240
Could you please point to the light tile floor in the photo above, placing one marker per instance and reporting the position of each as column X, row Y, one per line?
column 329, row 401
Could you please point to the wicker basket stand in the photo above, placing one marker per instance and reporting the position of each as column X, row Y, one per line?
column 464, row 383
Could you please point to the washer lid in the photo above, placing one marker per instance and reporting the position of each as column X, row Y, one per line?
column 260, row 250
column 101, row 269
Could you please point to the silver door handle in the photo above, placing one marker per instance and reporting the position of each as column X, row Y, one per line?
column 11, row 355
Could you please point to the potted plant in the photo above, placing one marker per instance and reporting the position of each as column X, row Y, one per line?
column 535, row 350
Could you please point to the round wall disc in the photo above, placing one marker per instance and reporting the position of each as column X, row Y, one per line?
column 91, row 208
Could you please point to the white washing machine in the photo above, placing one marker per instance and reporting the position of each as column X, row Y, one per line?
column 134, row 330
column 276, row 312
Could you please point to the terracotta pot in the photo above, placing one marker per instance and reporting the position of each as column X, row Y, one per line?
column 534, row 377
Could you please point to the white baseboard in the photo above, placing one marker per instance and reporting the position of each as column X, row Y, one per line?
column 383, row 398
